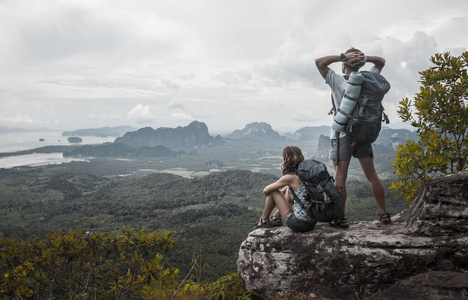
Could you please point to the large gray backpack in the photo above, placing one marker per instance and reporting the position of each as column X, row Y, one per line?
column 365, row 122
column 323, row 200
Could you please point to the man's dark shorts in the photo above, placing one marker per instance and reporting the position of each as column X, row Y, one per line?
column 346, row 150
column 298, row 225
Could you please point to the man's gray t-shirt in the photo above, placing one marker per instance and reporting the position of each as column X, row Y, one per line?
column 337, row 84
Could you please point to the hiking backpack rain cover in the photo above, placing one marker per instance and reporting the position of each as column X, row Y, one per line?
column 365, row 122
column 323, row 200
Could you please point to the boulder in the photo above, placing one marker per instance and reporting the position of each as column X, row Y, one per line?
column 426, row 243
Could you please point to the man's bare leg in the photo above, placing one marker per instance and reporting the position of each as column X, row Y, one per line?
column 367, row 165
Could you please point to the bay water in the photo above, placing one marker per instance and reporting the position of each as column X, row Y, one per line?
column 19, row 141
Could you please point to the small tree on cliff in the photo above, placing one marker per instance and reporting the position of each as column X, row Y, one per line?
column 441, row 118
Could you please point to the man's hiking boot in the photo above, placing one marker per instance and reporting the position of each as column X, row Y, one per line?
column 343, row 223
column 385, row 218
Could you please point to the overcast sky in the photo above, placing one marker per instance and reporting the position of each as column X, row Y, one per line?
column 76, row 64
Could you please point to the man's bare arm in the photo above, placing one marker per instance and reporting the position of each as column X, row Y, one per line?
column 322, row 63
column 379, row 62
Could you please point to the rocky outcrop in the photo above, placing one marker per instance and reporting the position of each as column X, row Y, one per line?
column 74, row 140
column 194, row 135
column 323, row 148
column 257, row 131
column 426, row 245
column 100, row 132
column 312, row 133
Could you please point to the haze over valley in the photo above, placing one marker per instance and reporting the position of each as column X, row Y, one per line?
column 207, row 189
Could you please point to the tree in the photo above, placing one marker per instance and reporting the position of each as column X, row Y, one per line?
column 441, row 118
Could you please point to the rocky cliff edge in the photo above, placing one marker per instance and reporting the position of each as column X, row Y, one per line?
column 422, row 255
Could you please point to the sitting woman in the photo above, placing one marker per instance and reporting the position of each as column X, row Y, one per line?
column 277, row 194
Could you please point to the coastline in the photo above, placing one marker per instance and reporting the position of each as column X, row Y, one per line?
column 36, row 160
column 37, row 148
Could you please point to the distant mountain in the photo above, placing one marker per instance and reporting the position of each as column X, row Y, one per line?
column 112, row 150
column 195, row 135
column 256, row 131
column 16, row 129
column 392, row 138
column 100, row 132
column 387, row 142
column 387, row 135
column 310, row 133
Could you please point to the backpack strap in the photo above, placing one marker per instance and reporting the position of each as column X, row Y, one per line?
column 363, row 104
column 326, row 197
column 384, row 115
column 361, row 112
column 337, row 137
column 337, row 216
column 351, row 98
column 313, row 195
column 349, row 116
column 305, row 207
column 296, row 198
column 333, row 111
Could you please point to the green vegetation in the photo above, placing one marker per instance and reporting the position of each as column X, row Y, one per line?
column 199, row 211
column 210, row 215
column 109, row 150
column 124, row 265
column 440, row 117
column 209, row 211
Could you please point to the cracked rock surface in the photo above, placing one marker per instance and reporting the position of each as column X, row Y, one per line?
column 423, row 253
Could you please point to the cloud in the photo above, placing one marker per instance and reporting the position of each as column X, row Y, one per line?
column 226, row 63
column 182, row 116
column 179, row 111
column 141, row 114
column 105, row 116
column 171, row 84
column 17, row 119
column 176, row 105
column 233, row 77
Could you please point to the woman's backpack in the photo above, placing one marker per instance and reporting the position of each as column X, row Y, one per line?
column 323, row 200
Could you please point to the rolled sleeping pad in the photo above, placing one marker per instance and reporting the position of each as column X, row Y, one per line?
column 352, row 91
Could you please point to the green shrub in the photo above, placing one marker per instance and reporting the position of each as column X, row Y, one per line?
column 229, row 287
column 76, row 265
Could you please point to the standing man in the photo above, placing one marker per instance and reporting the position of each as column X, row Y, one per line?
column 352, row 60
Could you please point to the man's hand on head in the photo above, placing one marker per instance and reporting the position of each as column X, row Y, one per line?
column 355, row 59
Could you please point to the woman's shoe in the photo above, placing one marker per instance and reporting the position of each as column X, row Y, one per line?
column 276, row 221
column 343, row 223
column 263, row 223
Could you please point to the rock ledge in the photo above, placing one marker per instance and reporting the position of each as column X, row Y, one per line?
column 426, row 245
